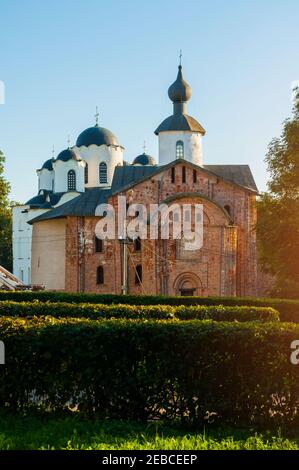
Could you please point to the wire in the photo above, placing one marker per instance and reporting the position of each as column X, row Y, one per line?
column 136, row 272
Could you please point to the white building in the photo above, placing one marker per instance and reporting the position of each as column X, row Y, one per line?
column 90, row 163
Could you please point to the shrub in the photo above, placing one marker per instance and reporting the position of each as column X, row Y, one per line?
column 288, row 309
column 239, row 373
column 96, row 311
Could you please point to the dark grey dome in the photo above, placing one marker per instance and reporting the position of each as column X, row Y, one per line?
column 179, row 91
column 180, row 122
column 67, row 155
column 48, row 165
column 96, row 136
column 144, row 159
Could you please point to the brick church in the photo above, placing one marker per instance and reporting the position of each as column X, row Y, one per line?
column 54, row 240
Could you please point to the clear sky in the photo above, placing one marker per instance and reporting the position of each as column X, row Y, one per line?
column 61, row 58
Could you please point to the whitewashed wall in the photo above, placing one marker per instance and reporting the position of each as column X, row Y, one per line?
column 22, row 241
column 45, row 179
column 192, row 146
column 94, row 155
column 61, row 170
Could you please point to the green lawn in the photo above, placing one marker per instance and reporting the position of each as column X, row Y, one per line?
column 75, row 433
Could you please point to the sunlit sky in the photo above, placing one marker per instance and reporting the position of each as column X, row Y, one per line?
column 60, row 59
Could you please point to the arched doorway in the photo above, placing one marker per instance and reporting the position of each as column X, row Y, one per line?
column 188, row 284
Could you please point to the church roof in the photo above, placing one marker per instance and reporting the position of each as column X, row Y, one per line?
column 126, row 176
column 180, row 122
column 84, row 204
column 238, row 174
column 40, row 201
column 96, row 136
column 241, row 175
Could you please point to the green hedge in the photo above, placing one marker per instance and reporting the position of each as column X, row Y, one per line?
column 96, row 311
column 288, row 309
column 194, row 371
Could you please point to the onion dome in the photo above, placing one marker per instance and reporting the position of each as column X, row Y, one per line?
column 96, row 136
column 144, row 159
column 179, row 91
column 68, row 154
column 48, row 165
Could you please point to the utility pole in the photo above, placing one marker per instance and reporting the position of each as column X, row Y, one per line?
column 124, row 286
column 123, row 240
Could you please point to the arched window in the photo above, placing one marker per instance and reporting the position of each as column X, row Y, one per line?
column 71, row 180
column 100, row 275
column 86, row 173
column 137, row 244
column 227, row 208
column 138, row 274
column 173, row 174
column 103, row 172
column 180, row 149
column 98, row 245
column 183, row 174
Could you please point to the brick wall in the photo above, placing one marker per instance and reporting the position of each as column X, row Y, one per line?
column 225, row 266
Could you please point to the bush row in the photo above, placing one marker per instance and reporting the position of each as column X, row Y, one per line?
column 194, row 371
column 97, row 311
column 288, row 309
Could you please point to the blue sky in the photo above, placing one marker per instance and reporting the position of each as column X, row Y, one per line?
column 60, row 59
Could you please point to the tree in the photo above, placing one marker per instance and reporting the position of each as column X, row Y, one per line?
column 278, row 210
column 5, row 220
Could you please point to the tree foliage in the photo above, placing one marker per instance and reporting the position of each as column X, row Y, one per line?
column 5, row 220
column 278, row 210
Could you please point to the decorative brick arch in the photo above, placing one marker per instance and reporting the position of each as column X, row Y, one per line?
column 188, row 284
column 213, row 211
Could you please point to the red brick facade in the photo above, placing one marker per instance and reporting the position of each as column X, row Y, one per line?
column 226, row 265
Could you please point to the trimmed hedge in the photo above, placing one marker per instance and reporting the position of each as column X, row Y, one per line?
column 97, row 311
column 288, row 309
column 194, row 371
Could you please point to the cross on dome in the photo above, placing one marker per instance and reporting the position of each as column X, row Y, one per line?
column 97, row 114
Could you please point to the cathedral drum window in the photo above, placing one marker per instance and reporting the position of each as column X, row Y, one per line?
column 180, row 149
column 86, row 174
column 103, row 173
column 71, row 180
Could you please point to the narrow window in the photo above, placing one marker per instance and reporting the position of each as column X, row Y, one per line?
column 71, row 180
column 138, row 274
column 137, row 244
column 173, row 174
column 98, row 245
column 180, row 149
column 227, row 208
column 183, row 174
column 187, row 215
column 100, row 275
column 103, row 173
column 86, row 173
column 194, row 176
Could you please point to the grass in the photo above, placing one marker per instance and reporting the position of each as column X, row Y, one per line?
column 46, row 433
